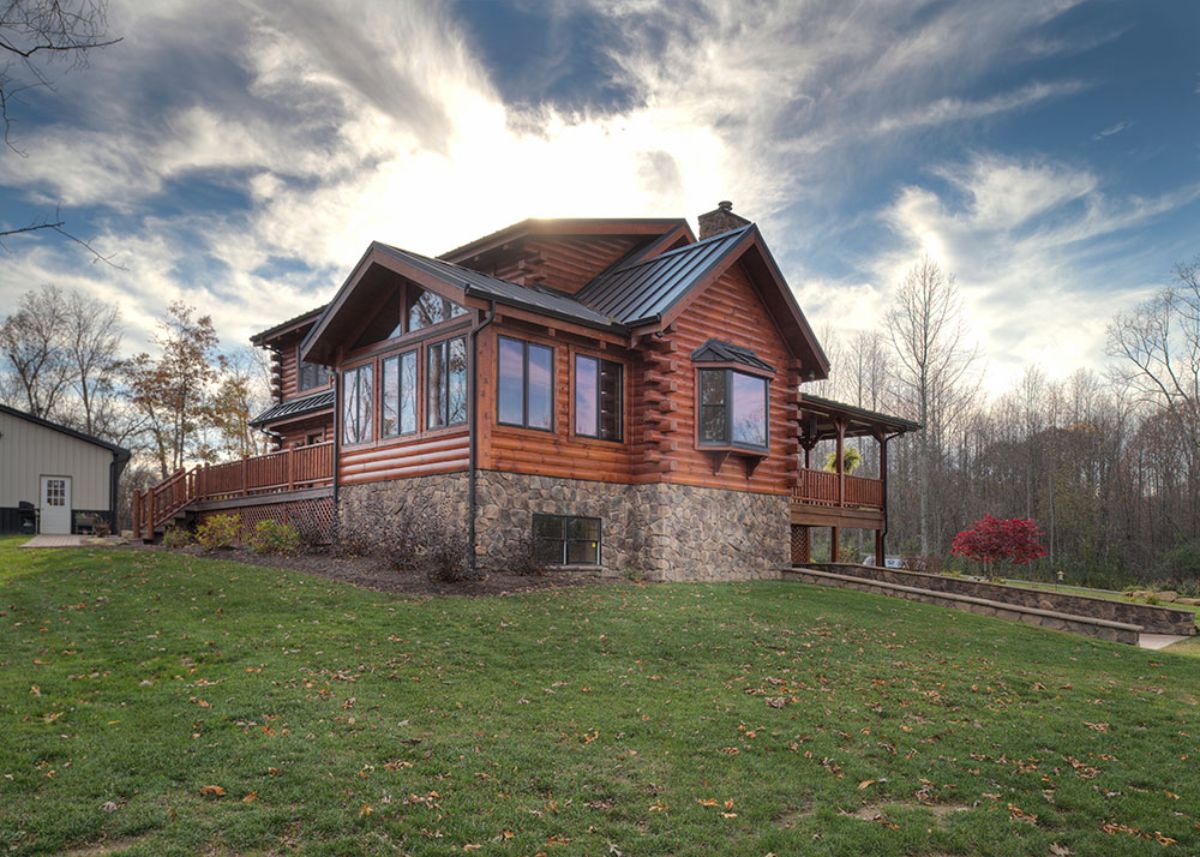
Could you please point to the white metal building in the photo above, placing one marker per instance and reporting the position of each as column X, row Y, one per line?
column 53, row 478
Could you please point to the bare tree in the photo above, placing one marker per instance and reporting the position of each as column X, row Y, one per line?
column 243, row 391
column 91, row 338
column 33, row 35
column 933, row 363
column 31, row 342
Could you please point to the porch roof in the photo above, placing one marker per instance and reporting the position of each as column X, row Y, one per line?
column 819, row 420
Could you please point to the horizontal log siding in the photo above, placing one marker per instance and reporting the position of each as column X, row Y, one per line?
column 290, row 370
column 568, row 264
column 730, row 310
column 445, row 452
column 541, row 453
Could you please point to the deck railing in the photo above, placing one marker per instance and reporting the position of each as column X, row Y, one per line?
column 821, row 488
column 287, row 470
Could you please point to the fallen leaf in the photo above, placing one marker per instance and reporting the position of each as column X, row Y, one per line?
column 865, row 784
column 212, row 791
column 365, row 810
column 250, row 798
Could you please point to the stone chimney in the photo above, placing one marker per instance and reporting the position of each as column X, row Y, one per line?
column 721, row 219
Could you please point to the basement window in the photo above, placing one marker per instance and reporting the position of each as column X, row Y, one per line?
column 566, row 539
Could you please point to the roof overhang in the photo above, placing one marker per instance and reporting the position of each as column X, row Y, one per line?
column 293, row 325
column 120, row 453
column 819, row 419
column 566, row 226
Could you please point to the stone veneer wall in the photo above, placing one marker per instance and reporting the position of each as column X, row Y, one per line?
column 364, row 511
column 662, row 531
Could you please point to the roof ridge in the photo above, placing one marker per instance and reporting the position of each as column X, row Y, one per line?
column 686, row 247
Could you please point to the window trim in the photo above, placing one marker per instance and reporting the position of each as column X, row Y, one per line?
column 525, row 345
column 621, row 428
column 300, row 361
column 727, row 443
column 566, row 540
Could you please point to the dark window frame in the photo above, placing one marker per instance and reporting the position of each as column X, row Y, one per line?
column 444, row 384
column 525, row 346
column 726, row 441
column 323, row 372
column 399, row 358
column 620, row 424
column 566, row 540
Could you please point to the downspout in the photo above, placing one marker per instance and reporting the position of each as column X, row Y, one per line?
column 884, row 477
column 473, row 439
column 337, row 446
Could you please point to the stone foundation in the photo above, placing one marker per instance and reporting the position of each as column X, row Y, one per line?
column 657, row 531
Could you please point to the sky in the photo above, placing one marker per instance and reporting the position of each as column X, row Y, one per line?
column 241, row 156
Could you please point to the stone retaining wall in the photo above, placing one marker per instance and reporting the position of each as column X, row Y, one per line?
column 1115, row 632
column 1152, row 619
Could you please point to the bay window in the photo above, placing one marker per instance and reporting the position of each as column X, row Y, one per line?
column 733, row 409
column 446, row 383
column 599, row 398
column 525, row 390
column 358, row 404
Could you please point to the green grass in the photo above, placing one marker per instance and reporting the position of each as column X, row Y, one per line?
column 566, row 721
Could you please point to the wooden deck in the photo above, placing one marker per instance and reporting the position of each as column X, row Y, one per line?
column 295, row 473
column 825, row 499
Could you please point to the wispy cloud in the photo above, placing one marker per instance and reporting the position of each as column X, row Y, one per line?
column 1115, row 128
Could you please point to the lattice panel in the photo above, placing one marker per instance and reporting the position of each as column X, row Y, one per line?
column 313, row 519
column 801, row 548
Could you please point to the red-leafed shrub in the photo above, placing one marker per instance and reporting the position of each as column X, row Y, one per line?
column 990, row 539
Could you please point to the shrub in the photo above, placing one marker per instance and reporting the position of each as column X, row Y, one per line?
column 176, row 537
column 1181, row 563
column 522, row 558
column 271, row 536
column 219, row 531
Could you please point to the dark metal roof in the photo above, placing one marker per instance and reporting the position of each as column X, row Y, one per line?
column 716, row 351
column 544, row 301
column 296, row 407
column 119, row 452
column 861, row 420
column 638, row 293
column 271, row 332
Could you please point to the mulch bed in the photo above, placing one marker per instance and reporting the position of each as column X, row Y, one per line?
column 373, row 573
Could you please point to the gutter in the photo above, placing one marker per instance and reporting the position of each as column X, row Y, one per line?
column 473, row 438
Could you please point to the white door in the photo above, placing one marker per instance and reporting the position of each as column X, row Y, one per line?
column 56, row 504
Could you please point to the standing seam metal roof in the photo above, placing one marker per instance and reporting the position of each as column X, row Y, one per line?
column 640, row 292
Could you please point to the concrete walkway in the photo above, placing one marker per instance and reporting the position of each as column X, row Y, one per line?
column 48, row 541
column 1158, row 641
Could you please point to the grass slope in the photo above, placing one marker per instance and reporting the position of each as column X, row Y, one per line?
column 667, row 719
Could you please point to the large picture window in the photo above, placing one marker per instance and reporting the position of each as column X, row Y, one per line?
column 525, row 394
column 446, row 383
column 566, row 539
column 599, row 397
column 733, row 408
column 358, row 404
column 399, row 395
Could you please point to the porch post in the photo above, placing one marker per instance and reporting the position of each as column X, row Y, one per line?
column 880, row 535
column 879, row 548
column 841, row 470
column 835, row 548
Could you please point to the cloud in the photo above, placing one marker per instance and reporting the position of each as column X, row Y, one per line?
column 1115, row 128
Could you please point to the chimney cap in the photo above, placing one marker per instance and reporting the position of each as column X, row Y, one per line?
column 725, row 205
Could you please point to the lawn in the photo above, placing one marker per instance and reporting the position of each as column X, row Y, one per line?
column 170, row 705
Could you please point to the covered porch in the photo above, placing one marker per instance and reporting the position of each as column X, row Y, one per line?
column 833, row 498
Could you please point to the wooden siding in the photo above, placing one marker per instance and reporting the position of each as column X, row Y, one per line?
column 559, row 453
column 298, row 433
column 440, row 452
column 289, row 370
column 665, row 394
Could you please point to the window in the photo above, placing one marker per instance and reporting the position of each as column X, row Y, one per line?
column 56, row 492
column 598, row 397
column 399, row 395
column 733, row 408
column 358, row 404
column 446, row 383
column 526, row 386
column 567, row 540
column 313, row 375
column 426, row 309
column 315, row 438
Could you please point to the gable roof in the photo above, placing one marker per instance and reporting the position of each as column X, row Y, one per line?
column 648, row 226
column 293, row 323
column 640, row 291
column 119, row 452
column 717, row 351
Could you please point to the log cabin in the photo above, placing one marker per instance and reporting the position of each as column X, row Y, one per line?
column 618, row 395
